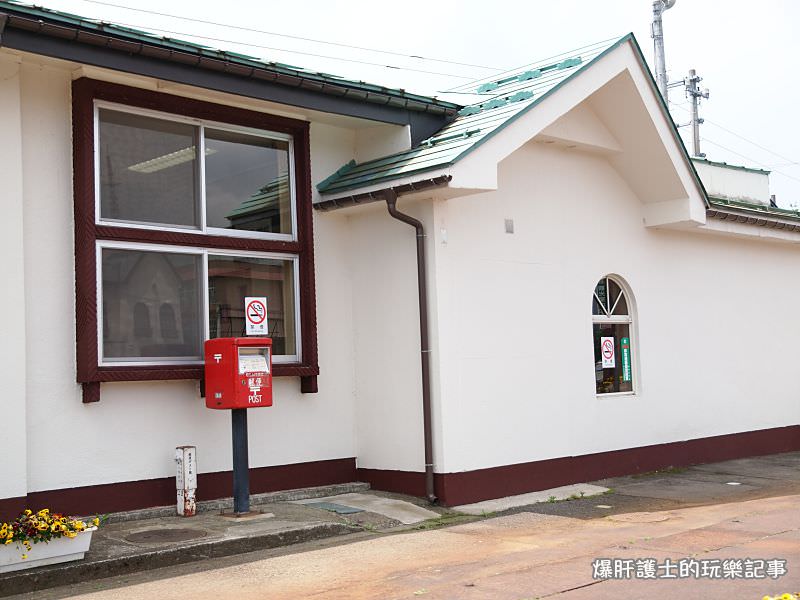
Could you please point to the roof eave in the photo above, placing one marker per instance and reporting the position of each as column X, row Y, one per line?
column 110, row 49
column 377, row 195
column 750, row 218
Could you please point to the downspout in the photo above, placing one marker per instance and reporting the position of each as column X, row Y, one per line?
column 3, row 21
column 422, row 288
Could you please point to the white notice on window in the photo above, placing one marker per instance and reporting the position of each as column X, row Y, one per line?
column 255, row 315
column 607, row 351
column 253, row 363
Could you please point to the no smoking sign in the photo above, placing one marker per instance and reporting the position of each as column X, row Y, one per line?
column 607, row 351
column 255, row 315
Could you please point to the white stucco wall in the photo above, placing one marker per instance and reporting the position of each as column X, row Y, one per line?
column 132, row 432
column 386, row 338
column 13, row 445
column 514, row 313
column 733, row 182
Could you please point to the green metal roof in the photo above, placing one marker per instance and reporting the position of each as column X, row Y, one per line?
column 504, row 100
column 754, row 208
column 47, row 16
column 266, row 198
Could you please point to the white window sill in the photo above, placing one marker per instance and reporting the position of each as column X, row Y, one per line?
column 614, row 394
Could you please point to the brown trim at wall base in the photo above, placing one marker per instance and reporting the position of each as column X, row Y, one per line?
column 132, row 495
column 401, row 482
column 11, row 507
column 508, row 480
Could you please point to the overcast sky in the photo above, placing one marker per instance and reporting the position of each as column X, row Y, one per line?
column 745, row 52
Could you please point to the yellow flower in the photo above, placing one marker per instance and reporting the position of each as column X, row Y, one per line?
column 96, row 522
column 24, row 556
column 28, row 511
column 8, row 541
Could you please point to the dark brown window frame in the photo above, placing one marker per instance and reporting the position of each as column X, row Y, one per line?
column 87, row 232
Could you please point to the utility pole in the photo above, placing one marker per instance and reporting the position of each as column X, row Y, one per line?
column 695, row 93
column 657, row 33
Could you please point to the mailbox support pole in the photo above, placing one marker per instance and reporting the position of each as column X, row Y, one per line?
column 241, row 467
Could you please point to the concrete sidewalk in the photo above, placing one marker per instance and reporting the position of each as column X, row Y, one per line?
column 148, row 540
column 522, row 555
column 155, row 538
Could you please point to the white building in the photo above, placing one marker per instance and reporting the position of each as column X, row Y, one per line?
column 561, row 214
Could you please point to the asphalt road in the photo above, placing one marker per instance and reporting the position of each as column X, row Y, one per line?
column 524, row 555
column 548, row 550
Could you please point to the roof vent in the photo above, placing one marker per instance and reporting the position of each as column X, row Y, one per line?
column 469, row 110
column 520, row 96
column 528, row 75
column 494, row 103
column 570, row 62
column 447, row 138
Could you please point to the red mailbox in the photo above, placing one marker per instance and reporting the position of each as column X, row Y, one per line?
column 238, row 372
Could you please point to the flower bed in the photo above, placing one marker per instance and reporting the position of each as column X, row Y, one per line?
column 38, row 538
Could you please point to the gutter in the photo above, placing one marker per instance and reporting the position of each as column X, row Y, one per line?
column 750, row 219
column 380, row 195
column 422, row 289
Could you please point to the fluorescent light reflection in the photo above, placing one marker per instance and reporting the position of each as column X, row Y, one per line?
column 168, row 160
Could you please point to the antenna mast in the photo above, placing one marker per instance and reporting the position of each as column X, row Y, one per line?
column 657, row 33
column 693, row 92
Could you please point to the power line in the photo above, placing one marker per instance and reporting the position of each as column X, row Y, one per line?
column 750, row 159
column 494, row 76
column 249, row 45
column 294, row 37
column 741, row 137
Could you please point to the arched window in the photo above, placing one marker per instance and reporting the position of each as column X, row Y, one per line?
column 612, row 323
column 167, row 322
column 141, row 321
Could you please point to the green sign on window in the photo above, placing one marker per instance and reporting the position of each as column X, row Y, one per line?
column 625, row 343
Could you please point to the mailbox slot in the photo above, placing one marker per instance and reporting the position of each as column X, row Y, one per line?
column 254, row 360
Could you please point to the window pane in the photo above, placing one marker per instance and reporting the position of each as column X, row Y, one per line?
column 247, row 182
column 613, row 358
column 601, row 293
column 231, row 279
column 151, row 305
column 148, row 170
column 616, row 296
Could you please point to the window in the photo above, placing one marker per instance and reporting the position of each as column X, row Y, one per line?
column 152, row 172
column 612, row 324
column 182, row 209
